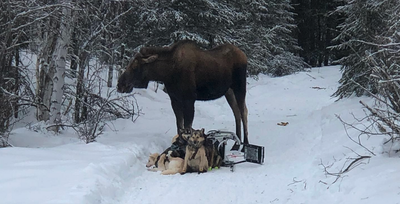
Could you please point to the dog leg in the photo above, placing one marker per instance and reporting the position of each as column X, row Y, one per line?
column 203, row 161
column 161, row 162
column 211, row 163
column 219, row 161
column 169, row 172
column 153, row 169
column 185, row 162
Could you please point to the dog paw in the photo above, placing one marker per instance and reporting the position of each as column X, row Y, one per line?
column 202, row 171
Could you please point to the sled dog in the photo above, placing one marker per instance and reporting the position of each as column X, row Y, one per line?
column 165, row 163
column 195, row 156
column 213, row 155
column 178, row 147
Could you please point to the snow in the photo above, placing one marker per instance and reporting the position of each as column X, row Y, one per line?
column 46, row 168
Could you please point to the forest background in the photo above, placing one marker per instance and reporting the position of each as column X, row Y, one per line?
column 74, row 42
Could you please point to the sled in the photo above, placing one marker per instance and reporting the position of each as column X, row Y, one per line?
column 252, row 153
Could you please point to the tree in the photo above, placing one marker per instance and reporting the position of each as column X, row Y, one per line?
column 317, row 26
column 365, row 22
column 91, row 38
column 16, row 20
column 59, row 57
column 50, row 45
column 371, row 32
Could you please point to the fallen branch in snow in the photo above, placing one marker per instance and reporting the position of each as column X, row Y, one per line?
column 362, row 132
column 388, row 119
column 311, row 76
column 299, row 181
column 356, row 162
column 317, row 87
column 340, row 175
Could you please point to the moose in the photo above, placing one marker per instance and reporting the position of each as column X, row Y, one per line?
column 190, row 73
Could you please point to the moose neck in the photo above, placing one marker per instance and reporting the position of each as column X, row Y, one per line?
column 159, row 71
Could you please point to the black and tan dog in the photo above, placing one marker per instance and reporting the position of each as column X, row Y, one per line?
column 178, row 146
column 195, row 156
column 213, row 155
column 169, row 161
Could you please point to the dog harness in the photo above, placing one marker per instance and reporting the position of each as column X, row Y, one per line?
column 158, row 158
column 194, row 154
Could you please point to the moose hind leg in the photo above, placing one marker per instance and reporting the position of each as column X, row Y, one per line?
column 240, row 94
column 244, row 120
column 240, row 98
column 230, row 97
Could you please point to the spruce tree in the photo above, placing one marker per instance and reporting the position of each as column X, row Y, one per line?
column 365, row 21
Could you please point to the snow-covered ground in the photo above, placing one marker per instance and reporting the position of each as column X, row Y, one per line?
column 43, row 168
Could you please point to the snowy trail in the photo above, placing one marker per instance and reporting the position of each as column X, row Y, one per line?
column 291, row 151
column 45, row 168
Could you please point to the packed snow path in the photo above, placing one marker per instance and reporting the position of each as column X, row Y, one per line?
column 290, row 150
column 292, row 172
column 112, row 170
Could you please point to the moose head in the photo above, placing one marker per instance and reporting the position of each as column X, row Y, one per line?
column 135, row 75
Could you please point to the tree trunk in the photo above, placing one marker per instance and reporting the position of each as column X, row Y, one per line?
column 17, row 82
column 110, row 75
column 75, row 48
column 121, row 60
column 46, row 74
column 79, row 87
column 59, row 58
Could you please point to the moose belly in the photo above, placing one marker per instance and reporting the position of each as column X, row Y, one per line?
column 205, row 93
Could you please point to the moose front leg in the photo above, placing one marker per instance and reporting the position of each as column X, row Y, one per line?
column 188, row 113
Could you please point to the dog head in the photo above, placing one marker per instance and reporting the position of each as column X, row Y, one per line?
column 197, row 138
column 185, row 133
column 152, row 160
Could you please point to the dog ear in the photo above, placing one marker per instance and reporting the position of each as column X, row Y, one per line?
column 181, row 131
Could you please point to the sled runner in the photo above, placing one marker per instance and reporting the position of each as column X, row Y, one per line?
column 252, row 153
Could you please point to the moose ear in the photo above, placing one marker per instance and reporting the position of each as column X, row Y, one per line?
column 150, row 59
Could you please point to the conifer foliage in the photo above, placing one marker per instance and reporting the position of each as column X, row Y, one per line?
column 263, row 29
column 371, row 34
column 362, row 34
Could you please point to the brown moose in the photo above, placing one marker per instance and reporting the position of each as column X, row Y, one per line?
column 189, row 74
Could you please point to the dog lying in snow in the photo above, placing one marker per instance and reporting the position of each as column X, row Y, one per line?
column 170, row 161
column 165, row 163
